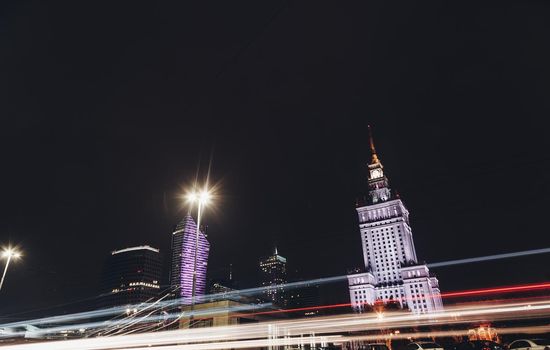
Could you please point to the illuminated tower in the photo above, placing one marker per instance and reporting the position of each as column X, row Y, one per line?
column 392, row 271
column 273, row 270
column 183, row 255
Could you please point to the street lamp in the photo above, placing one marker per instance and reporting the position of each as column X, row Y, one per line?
column 8, row 253
column 202, row 198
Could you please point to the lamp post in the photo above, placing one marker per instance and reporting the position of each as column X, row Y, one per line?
column 8, row 253
column 202, row 198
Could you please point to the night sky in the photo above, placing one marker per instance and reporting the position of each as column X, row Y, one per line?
column 108, row 110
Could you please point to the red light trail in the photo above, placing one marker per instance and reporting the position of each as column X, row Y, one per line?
column 457, row 294
column 498, row 290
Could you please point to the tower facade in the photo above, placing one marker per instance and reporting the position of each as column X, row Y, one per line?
column 273, row 271
column 131, row 276
column 184, row 242
column 392, row 271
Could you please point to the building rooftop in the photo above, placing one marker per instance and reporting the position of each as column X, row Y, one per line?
column 141, row 247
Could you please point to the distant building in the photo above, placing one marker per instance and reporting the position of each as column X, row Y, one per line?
column 224, row 313
column 304, row 300
column 392, row 271
column 273, row 275
column 218, row 287
column 132, row 275
column 184, row 242
column 223, row 285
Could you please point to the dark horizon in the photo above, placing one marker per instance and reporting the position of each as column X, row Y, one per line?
column 110, row 111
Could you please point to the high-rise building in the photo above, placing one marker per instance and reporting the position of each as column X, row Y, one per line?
column 273, row 272
column 132, row 275
column 392, row 271
column 184, row 242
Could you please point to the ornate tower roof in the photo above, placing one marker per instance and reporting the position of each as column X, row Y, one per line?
column 374, row 159
column 379, row 190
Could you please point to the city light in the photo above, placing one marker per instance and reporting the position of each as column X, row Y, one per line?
column 275, row 176
column 8, row 253
column 286, row 332
column 202, row 197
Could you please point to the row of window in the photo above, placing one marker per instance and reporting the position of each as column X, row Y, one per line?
column 381, row 230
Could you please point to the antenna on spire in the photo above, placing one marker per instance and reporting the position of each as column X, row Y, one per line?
column 230, row 272
column 276, row 253
column 372, row 149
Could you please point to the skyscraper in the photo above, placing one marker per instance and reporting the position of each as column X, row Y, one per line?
column 273, row 272
column 392, row 270
column 131, row 275
column 183, row 260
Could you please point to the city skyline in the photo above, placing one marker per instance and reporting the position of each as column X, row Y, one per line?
column 107, row 125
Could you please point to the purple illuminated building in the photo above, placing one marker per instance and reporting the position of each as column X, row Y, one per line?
column 183, row 256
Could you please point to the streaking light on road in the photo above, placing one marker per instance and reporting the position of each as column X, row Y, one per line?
column 490, row 257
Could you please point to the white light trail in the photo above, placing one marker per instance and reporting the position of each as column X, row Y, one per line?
column 71, row 318
column 262, row 334
column 490, row 257
column 108, row 325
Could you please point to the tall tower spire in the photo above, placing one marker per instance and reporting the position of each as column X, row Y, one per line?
column 378, row 183
column 372, row 149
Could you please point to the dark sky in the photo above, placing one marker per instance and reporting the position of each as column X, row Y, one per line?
column 109, row 108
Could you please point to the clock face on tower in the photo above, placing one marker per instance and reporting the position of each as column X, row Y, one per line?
column 376, row 173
